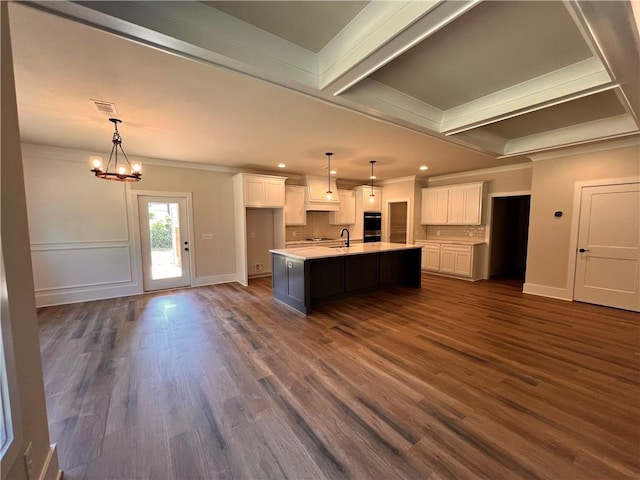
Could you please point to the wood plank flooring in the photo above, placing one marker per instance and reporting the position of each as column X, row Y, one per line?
column 453, row 380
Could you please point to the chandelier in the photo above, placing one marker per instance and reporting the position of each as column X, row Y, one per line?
column 129, row 172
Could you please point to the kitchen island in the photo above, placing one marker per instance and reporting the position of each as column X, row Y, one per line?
column 307, row 276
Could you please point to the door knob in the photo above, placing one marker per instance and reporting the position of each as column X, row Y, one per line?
column 582, row 250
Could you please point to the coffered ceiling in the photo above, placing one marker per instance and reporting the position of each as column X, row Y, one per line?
column 482, row 83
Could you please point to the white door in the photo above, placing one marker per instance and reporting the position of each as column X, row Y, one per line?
column 607, row 270
column 164, row 238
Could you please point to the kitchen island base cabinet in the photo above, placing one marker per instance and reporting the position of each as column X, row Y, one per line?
column 303, row 283
column 288, row 283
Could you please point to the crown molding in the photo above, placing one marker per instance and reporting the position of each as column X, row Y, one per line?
column 473, row 173
column 584, row 149
column 409, row 178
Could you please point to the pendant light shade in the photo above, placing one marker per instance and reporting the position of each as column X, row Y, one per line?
column 329, row 192
column 120, row 172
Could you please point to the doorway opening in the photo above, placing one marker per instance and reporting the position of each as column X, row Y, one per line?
column 398, row 222
column 260, row 239
column 509, row 237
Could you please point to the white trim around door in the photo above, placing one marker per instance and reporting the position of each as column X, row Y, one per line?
column 575, row 224
column 186, row 197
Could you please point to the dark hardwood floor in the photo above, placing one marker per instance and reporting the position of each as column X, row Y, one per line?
column 453, row 380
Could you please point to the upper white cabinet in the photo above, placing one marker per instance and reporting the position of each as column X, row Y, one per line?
column 263, row 191
column 295, row 212
column 369, row 203
column 435, row 202
column 346, row 215
column 453, row 205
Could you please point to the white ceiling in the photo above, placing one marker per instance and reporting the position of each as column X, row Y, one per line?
column 456, row 85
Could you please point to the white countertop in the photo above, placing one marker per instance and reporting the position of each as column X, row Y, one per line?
column 452, row 241
column 318, row 251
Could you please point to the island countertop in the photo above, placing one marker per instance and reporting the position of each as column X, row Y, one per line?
column 318, row 251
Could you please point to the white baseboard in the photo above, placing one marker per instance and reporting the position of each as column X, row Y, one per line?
column 214, row 280
column 455, row 277
column 546, row 291
column 66, row 296
column 51, row 469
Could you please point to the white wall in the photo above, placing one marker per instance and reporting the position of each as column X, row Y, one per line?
column 552, row 189
column 82, row 243
column 19, row 322
column 399, row 190
column 84, row 230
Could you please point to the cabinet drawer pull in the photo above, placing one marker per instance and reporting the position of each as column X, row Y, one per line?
column 289, row 265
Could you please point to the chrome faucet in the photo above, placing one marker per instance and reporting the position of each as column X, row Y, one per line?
column 342, row 235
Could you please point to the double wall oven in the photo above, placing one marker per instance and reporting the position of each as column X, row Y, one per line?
column 372, row 227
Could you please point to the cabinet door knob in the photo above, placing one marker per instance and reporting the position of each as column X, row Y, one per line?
column 582, row 250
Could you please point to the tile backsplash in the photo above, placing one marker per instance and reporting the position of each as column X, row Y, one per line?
column 455, row 232
column 317, row 227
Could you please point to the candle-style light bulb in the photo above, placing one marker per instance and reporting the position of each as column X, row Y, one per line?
column 136, row 167
column 96, row 163
column 122, row 170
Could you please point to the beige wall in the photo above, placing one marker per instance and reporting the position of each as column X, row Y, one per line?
column 260, row 239
column 19, row 324
column 101, row 229
column 212, row 213
column 398, row 191
column 552, row 189
column 495, row 181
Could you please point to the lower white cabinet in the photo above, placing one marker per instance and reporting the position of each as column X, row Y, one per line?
column 431, row 257
column 456, row 259
column 460, row 260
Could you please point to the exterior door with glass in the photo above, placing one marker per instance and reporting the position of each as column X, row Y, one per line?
column 164, row 238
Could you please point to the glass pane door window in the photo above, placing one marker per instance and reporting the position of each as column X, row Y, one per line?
column 165, row 243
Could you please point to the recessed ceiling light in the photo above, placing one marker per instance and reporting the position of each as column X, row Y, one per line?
column 424, row 167
column 281, row 165
column 333, row 172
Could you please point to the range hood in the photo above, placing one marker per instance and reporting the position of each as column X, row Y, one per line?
column 315, row 198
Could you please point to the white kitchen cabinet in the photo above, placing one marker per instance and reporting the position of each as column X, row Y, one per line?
column 263, row 191
column 464, row 204
column 434, row 206
column 431, row 257
column 456, row 259
column 453, row 205
column 295, row 212
column 347, row 213
column 256, row 191
column 371, row 204
column 462, row 260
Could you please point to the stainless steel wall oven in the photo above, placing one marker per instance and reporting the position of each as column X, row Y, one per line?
column 372, row 227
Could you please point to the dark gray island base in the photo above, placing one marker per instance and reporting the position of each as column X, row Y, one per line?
column 304, row 277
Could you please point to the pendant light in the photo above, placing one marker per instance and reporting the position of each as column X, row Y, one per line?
column 329, row 192
column 372, row 197
column 129, row 172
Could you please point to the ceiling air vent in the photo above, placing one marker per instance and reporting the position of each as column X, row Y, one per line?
column 105, row 107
